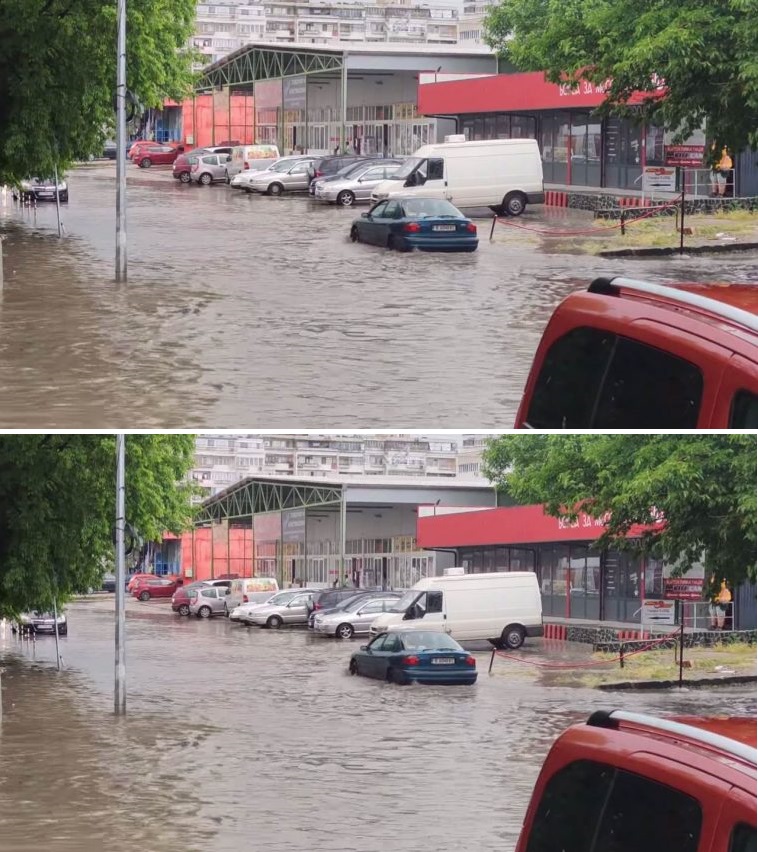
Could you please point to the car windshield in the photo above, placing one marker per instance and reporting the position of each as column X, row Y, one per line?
column 408, row 166
column 407, row 599
column 423, row 640
column 424, row 208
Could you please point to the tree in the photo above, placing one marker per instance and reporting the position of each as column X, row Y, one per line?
column 57, row 508
column 58, row 74
column 703, row 486
column 704, row 51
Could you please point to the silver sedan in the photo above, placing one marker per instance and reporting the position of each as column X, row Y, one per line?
column 356, row 187
column 284, row 177
column 354, row 618
column 294, row 611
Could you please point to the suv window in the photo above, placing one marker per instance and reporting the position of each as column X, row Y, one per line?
column 593, row 807
column 744, row 411
column 592, row 378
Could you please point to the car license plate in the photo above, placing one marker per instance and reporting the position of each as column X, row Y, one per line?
column 443, row 227
column 443, row 661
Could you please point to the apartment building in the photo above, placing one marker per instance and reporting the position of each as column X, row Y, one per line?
column 469, row 458
column 471, row 26
column 221, row 460
column 227, row 25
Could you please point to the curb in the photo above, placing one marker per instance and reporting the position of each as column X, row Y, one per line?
column 669, row 684
column 662, row 252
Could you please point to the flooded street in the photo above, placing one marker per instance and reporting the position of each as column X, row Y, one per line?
column 243, row 738
column 256, row 311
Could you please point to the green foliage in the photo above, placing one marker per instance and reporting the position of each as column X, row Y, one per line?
column 703, row 485
column 706, row 51
column 58, row 74
column 58, row 502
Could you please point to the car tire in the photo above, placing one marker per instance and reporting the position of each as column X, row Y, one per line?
column 145, row 163
column 353, row 667
column 63, row 631
column 275, row 189
column 184, row 177
column 184, row 609
column 274, row 622
column 514, row 203
column 205, row 179
column 346, row 198
column 226, row 610
column 395, row 677
column 354, row 235
column 63, row 197
column 226, row 177
column 344, row 631
column 144, row 596
column 204, row 612
column 513, row 636
column 391, row 243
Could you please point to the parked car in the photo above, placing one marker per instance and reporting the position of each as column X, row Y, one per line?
column 430, row 224
column 138, row 144
column 274, row 615
column 133, row 579
column 156, row 155
column 251, row 590
column 329, row 598
column 38, row 621
column 355, row 186
column 155, row 587
column 355, row 617
column 326, row 166
column 410, row 656
column 180, row 170
column 282, row 177
column 628, row 354
column 628, row 781
column 244, row 612
column 208, row 601
column 333, row 607
column 346, row 169
column 209, row 168
column 42, row 189
column 109, row 582
column 245, row 178
column 180, row 600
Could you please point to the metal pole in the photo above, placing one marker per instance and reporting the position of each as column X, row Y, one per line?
column 343, row 534
column 57, row 201
column 120, row 693
column 343, row 108
column 681, row 652
column 681, row 221
column 121, row 144
column 55, row 627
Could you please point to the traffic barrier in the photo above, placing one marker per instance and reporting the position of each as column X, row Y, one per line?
column 555, row 631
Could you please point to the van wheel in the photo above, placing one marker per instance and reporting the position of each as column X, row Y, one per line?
column 514, row 203
column 513, row 636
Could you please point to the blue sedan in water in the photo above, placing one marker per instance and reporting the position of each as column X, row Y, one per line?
column 415, row 656
column 430, row 224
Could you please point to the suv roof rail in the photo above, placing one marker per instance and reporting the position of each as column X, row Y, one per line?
column 611, row 719
column 611, row 286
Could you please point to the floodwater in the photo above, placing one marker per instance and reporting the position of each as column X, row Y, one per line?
column 242, row 738
column 259, row 312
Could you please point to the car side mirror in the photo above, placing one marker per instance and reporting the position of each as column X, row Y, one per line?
column 365, row 215
column 364, row 648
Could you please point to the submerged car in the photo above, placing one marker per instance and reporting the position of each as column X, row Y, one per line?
column 42, row 189
column 355, row 185
column 430, row 224
column 415, row 656
column 355, row 616
column 41, row 622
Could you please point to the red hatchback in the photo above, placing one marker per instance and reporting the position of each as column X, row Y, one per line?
column 630, row 354
column 156, row 154
column 156, row 587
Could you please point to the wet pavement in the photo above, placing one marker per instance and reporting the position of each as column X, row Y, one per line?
column 255, row 311
column 244, row 738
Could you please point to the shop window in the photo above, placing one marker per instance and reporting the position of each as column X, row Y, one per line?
column 488, row 560
column 501, row 559
column 503, row 127
column 490, row 125
column 523, row 127
column 479, row 128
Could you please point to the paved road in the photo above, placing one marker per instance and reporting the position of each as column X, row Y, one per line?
column 247, row 739
column 256, row 311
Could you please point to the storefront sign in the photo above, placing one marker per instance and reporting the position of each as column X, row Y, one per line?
column 293, row 525
column 690, row 156
column 683, row 588
column 294, row 92
column 658, row 612
column 659, row 179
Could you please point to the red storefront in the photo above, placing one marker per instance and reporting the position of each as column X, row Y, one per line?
column 578, row 148
column 577, row 579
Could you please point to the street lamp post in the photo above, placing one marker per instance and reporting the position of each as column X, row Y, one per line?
column 119, row 699
column 121, row 144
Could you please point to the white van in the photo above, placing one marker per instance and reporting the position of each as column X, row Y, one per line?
column 246, row 157
column 251, row 590
column 502, row 174
column 502, row 607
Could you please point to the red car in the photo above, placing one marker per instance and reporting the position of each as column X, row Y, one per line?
column 630, row 354
column 143, row 143
column 183, row 163
column 156, row 587
column 628, row 782
column 156, row 154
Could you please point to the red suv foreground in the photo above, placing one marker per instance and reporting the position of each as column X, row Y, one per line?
column 626, row 782
column 630, row 354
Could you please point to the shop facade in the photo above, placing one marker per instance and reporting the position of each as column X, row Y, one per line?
column 578, row 579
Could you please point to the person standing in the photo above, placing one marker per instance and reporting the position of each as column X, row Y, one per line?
column 720, row 174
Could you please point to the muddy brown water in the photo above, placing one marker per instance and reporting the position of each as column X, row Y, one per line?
column 246, row 739
column 258, row 311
